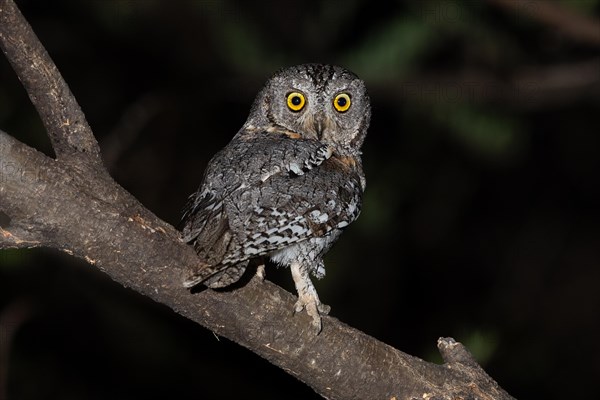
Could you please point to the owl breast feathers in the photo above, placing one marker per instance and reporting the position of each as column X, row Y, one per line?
column 287, row 184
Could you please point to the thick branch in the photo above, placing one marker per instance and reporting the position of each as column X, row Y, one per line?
column 60, row 208
column 65, row 123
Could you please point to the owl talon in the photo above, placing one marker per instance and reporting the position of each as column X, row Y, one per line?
column 312, row 309
column 299, row 306
column 307, row 296
column 260, row 273
column 304, row 304
column 323, row 309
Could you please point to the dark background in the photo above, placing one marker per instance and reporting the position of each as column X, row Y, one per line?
column 480, row 219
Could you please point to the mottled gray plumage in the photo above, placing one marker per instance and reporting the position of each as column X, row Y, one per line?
column 287, row 183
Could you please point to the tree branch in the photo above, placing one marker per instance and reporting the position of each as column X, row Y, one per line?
column 69, row 132
column 71, row 204
column 59, row 208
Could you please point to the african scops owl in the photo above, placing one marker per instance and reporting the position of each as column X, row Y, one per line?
column 287, row 184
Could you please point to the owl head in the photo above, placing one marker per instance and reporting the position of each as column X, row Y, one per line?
column 315, row 101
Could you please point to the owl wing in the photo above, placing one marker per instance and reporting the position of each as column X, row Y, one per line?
column 214, row 214
column 288, row 208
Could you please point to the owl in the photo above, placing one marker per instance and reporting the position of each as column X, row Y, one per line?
column 287, row 185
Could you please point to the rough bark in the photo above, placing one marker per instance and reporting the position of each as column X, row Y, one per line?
column 70, row 203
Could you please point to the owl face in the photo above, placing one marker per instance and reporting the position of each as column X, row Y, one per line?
column 315, row 101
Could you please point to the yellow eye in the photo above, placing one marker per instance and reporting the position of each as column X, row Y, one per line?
column 342, row 102
column 295, row 101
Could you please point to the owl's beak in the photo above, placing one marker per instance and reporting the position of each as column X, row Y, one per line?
column 320, row 124
column 319, row 129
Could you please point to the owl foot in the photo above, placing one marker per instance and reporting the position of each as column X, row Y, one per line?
column 307, row 296
column 314, row 308
column 304, row 303
column 260, row 272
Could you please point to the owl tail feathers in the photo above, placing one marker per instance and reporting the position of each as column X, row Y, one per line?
column 199, row 276
column 216, row 276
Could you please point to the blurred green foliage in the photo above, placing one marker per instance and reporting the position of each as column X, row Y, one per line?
column 390, row 50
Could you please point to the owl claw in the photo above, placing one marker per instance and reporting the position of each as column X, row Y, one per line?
column 324, row 309
column 260, row 273
column 313, row 308
column 306, row 303
column 307, row 296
